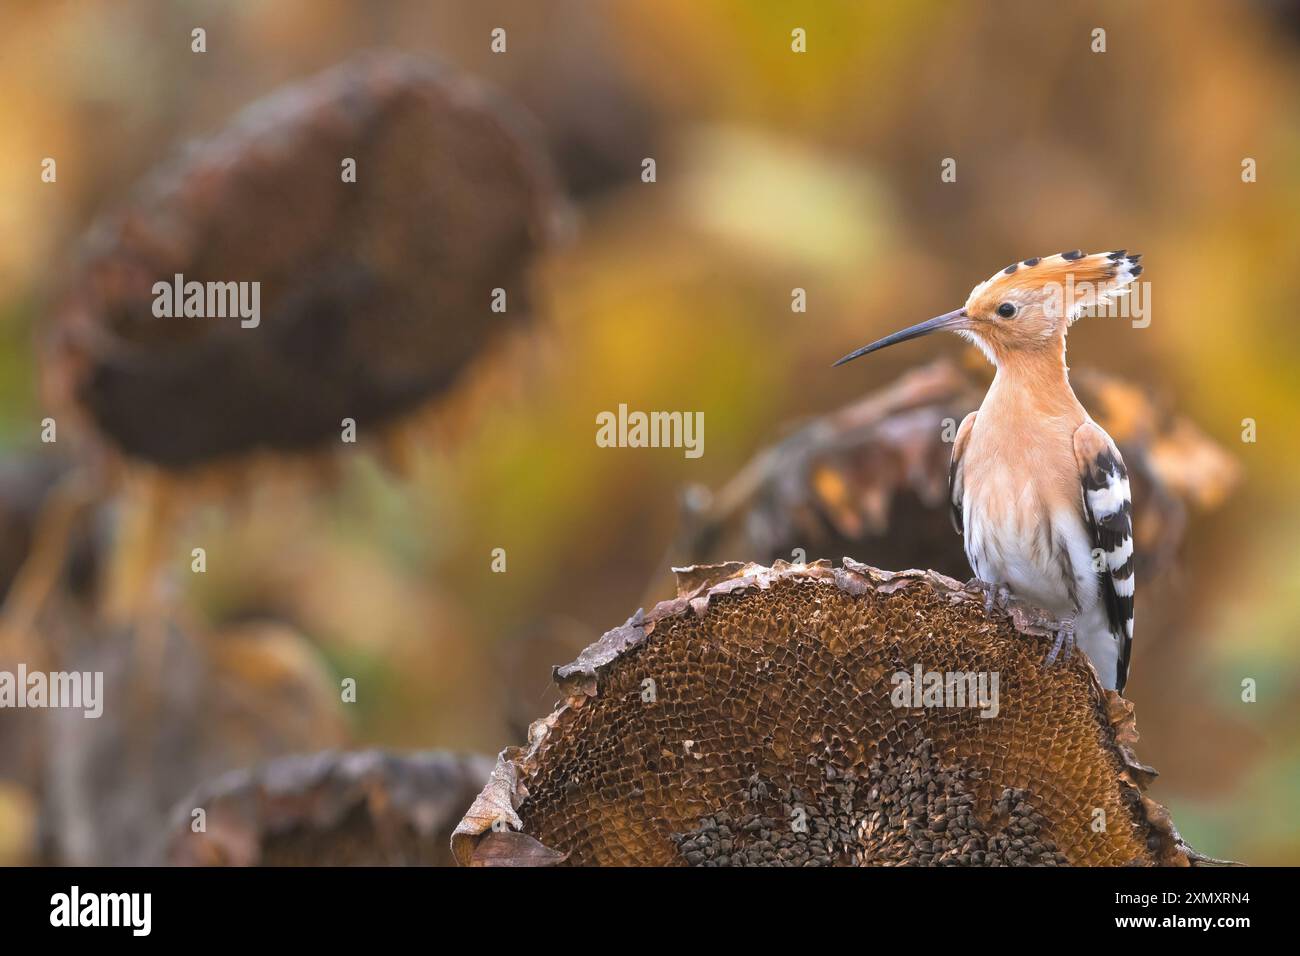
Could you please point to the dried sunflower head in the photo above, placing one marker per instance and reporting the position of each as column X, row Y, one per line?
column 783, row 716
column 374, row 214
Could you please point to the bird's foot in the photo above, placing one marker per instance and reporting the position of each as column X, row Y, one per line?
column 995, row 595
column 1064, row 638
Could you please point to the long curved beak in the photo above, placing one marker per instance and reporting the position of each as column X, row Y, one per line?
column 949, row 320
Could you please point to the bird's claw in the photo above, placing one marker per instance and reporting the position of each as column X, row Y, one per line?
column 1064, row 638
column 995, row 595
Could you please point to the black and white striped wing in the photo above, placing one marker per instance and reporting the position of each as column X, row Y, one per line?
column 956, row 481
column 1109, row 509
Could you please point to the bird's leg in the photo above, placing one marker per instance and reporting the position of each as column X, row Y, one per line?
column 1064, row 638
column 994, row 594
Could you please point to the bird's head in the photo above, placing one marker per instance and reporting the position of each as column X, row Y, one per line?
column 1028, row 305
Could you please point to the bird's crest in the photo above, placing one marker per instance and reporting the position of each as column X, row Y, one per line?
column 1074, row 280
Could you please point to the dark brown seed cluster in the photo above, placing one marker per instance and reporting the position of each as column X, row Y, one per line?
column 908, row 812
column 922, row 814
column 777, row 829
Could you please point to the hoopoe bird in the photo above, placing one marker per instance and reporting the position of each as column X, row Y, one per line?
column 1038, row 490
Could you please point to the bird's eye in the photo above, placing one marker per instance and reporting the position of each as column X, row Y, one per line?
column 1006, row 310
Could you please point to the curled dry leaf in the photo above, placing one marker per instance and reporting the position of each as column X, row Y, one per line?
column 512, row 848
column 754, row 719
column 375, row 294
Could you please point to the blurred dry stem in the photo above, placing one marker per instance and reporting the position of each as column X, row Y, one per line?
column 188, row 706
column 41, row 570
